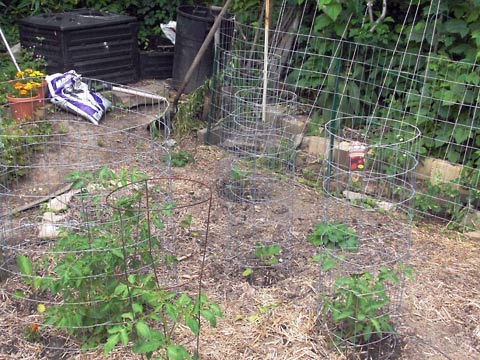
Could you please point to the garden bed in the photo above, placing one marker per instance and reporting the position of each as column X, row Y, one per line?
column 440, row 310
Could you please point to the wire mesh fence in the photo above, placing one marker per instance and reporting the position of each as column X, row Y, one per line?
column 369, row 179
column 337, row 78
column 256, row 180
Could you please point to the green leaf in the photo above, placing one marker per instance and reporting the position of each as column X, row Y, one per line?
column 171, row 311
column 328, row 263
column 209, row 316
column 137, row 308
column 121, row 290
column 177, row 352
column 183, row 300
column 333, row 10
column 192, row 323
column 146, row 347
column 247, row 272
column 124, row 336
column 377, row 326
column 456, row 26
column 111, row 342
column 24, row 265
column 216, row 310
column 118, row 253
column 128, row 315
column 461, row 134
column 337, row 316
column 185, row 223
column 321, row 22
column 142, row 329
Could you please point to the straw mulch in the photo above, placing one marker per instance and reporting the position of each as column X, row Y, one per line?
column 440, row 310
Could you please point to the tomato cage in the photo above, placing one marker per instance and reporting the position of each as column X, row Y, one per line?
column 364, row 236
column 56, row 170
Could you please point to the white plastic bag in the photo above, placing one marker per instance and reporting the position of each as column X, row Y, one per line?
column 170, row 30
column 70, row 93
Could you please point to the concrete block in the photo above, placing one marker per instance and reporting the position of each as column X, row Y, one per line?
column 316, row 145
column 438, row 171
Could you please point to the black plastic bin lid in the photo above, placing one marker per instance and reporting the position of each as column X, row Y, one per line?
column 74, row 20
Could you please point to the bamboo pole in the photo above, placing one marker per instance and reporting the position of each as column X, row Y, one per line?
column 265, row 60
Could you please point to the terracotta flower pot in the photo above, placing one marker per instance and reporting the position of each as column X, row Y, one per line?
column 23, row 108
column 42, row 93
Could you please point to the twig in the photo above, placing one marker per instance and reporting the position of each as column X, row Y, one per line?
column 382, row 15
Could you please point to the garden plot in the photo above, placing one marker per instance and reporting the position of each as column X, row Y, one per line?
column 439, row 313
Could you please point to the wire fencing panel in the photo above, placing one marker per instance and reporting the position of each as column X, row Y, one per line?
column 336, row 78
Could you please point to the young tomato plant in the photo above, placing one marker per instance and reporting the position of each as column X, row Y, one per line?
column 333, row 236
column 358, row 306
column 104, row 279
column 268, row 255
column 178, row 159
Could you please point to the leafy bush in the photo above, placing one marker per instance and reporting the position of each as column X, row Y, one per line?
column 17, row 145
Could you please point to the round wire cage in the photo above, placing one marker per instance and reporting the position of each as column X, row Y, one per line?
column 364, row 238
column 56, row 170
column 255, row 99
column 271, row 142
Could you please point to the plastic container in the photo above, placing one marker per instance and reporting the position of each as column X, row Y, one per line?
column 193, row 25
column 157, row 62
column 95, row 44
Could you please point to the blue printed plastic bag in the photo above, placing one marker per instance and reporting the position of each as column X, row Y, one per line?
column 70, row 93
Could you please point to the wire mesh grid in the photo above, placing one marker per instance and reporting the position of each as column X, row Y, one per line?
column 337, row 78
column 256, row 180
column 369, row 168
column 58, row 250
column 236, row 70
column 259, row 220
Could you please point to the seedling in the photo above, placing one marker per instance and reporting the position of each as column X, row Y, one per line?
column 240, row 176
column 333, row 236
column 268, row 255
column 178, row 159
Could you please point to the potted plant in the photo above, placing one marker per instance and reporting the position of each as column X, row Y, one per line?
column 26, row 93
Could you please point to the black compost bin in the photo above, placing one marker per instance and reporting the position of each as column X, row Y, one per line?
column 93, row 43
column 193, row 25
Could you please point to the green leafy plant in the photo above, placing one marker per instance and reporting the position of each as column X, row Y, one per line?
column 105, row 296
column 334, row 236
column 178, row 159
column 267, row 255
column 18, row 144
column 358, row 306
